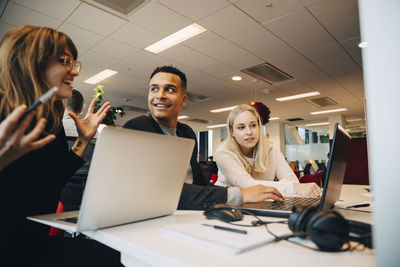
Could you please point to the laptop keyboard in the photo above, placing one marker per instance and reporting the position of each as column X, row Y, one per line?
column 70, row 220
column 289, row 202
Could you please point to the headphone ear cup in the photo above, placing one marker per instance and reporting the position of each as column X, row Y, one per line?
column 328, row 230
column 299, row 218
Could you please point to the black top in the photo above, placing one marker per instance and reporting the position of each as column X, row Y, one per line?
column 199, row 195
column 30, row 186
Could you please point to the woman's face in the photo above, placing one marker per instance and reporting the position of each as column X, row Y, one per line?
column 246, row 132
column 57, row 74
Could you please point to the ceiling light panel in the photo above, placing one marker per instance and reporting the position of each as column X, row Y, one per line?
column 328, row 111
column 287, row 98
column 176, row 38
column 222, row 109
column 101, row 76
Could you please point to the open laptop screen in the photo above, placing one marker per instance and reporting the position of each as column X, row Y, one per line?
column 336, row 167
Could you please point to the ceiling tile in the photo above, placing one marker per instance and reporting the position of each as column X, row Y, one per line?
column 4, row 27
column 203, row 40
column 331, row 58
column 217, row 69
column 351, row 46
column 328, row 12
column 60, row 9
column 260, row 42
column 194, row 9
column 17, row 15
column 114, row 49
column 228, row 21
column 258, row 8
column 81, row 37
column 189, row 57
column 95, row 20
column 309, row 2
column 97, row 59
column 154, row 17
column 230, row 54
column 300, row 30
column 135, row 36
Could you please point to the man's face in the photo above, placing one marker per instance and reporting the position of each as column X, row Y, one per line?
column 166, row 98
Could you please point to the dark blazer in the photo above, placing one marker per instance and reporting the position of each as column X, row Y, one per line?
column 199, row 195
column 30, row 186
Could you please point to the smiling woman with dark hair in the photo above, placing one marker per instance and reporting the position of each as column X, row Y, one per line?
column 33, row 60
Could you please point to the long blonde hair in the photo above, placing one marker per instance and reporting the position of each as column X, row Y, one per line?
column 24, row 55
column 260, row 151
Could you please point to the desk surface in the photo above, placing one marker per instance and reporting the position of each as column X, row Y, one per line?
column 144, row 244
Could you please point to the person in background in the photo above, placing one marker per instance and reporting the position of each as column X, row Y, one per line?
column 213, row 168
column 247, row 158
column 14, row 141
column 34, row 59
column 75, row 104
column 71, row 194
column 166, row 97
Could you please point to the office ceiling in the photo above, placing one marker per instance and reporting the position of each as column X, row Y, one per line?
column 315, row 41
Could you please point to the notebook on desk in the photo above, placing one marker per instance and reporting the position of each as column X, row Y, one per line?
column 133, row 175
column 332, row 186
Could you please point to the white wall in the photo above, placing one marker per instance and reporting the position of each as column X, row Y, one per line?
column 276, row 133
column 380, row 23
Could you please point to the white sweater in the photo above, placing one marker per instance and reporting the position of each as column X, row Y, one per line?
column 232, row 172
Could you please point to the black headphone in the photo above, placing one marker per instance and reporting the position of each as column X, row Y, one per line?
column 328, row 229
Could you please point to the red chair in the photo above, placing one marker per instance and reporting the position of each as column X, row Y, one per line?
column 214, row 178
column 312, row 178
column 55, row 231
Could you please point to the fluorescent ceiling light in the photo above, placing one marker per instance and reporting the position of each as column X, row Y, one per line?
column 216, row 126
column 176, row 38
column 236, row 78
column 286, row 98
column 363, row 45
column 352, row 120
column 182, row 117
column 101, row 76
column 317, row 124
column 328, row 111
column 222, row 109
column 274, row 118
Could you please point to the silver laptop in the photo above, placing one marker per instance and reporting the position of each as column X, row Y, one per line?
column 133, row 175
column 332, row 185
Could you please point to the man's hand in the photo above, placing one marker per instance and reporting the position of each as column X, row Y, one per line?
column 260, row 192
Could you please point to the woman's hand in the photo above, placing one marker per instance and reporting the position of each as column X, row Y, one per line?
column 260, row 192
column 87, row 127
column 14, row 142
column 307, row 189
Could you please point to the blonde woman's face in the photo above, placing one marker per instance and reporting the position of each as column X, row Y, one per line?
column 246, row 132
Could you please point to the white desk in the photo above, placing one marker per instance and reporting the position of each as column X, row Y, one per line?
column 144, row 244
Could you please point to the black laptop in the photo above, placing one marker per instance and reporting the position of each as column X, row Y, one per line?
column 332, row 186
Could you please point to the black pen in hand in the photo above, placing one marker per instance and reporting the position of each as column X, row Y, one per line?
column 41, row 100
column 358, row 206
column 234, row 230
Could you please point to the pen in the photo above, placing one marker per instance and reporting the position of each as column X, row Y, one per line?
column 239, row 231
column 42, row 99
column 358, row 206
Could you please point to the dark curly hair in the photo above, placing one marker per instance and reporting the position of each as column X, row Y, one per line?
column 262, row 110
column 173, row 70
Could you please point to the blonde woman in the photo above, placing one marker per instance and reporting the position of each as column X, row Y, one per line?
column 247, row 158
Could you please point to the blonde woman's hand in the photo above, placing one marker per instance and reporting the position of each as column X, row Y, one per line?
column 307, row 189
column 14, row 141
column 260, row 192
